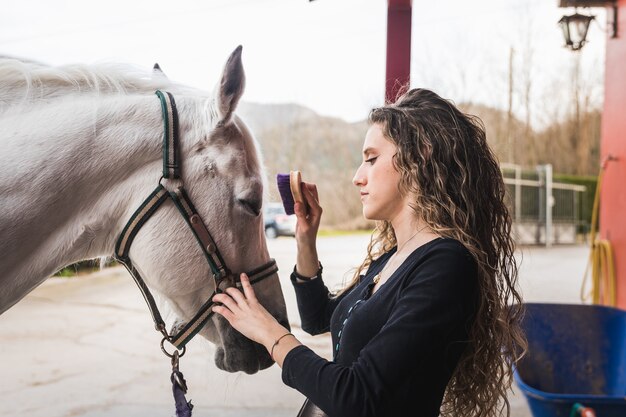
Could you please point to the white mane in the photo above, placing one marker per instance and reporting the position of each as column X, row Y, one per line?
column 23, row 82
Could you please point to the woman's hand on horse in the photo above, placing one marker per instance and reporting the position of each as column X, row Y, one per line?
column 244, row 312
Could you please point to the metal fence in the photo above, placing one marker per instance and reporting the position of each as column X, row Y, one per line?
column 544, row 212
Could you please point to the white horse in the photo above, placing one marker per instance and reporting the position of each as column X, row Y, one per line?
column 80, row 151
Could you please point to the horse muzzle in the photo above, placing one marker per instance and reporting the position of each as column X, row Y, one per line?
column 237, row 353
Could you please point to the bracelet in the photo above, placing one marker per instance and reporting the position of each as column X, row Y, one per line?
column 276, row 343
column 303, row 278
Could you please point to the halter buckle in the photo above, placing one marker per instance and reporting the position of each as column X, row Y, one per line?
column 218, row 278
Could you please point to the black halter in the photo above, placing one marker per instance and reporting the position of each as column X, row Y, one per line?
column 221, row 274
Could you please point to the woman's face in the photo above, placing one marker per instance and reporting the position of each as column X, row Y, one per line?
column 378, row 179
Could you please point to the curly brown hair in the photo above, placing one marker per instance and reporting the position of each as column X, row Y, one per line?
column 444, row 159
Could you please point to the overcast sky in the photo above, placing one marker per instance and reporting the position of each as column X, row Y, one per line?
column 328, row 54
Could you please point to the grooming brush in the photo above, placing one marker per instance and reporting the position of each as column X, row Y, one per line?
column 290, row 189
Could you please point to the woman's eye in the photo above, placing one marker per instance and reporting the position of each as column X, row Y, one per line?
column 371, row 160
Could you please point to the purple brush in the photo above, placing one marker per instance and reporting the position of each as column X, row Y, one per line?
column 289, row 187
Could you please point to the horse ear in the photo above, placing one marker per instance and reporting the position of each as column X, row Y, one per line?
column 231, row 86
column 156, row 70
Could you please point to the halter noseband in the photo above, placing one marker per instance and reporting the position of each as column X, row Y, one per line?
column 221, row 274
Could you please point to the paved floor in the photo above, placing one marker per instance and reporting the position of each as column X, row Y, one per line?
column 86, row 347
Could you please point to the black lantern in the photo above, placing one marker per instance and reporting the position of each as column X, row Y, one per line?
column 587, row 3
column 575, row 29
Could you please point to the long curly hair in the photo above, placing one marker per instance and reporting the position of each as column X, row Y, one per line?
column 443, row 158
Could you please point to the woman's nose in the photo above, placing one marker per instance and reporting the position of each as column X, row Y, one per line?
column 359, row 178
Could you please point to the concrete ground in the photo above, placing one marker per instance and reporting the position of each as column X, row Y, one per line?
column 86, row 347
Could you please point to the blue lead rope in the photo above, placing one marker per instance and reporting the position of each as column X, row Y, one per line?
column 179, row 389
column 183, row 407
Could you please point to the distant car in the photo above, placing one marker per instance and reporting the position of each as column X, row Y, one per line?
column 277, row 223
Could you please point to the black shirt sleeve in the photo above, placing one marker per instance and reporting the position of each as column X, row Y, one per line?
column 315, row 304
column 428, row 315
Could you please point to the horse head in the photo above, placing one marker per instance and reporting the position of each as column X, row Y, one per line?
column 223, row 175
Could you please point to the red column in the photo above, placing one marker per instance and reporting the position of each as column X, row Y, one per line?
column 397, row 77
column 613, row 193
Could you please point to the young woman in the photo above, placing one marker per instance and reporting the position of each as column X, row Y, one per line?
column 424, row 327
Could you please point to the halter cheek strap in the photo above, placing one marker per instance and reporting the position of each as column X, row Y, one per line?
column 200, row 231
column 221, row 273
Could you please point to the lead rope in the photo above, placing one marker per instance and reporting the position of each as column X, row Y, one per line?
column 179, row 389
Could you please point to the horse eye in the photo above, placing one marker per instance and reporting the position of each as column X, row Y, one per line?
column 252, row 206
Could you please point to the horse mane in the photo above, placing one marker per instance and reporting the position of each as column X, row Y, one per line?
column 27, row 82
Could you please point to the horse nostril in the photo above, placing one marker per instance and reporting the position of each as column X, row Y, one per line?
column 253, row 206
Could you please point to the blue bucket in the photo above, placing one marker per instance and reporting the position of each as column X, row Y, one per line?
column 576, row 354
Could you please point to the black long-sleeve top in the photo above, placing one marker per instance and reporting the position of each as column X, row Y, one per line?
column 394, row 351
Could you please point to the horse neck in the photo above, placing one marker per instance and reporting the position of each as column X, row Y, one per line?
column 68, row 183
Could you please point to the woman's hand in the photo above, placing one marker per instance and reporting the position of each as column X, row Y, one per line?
column 244, row 312
column 308, row 215
column 307, row 226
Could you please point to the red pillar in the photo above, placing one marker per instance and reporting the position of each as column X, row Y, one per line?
column 397, row 77
column 613, row 193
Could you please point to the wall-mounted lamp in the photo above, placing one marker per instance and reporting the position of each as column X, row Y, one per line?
column 575, row 29
column 575, row 26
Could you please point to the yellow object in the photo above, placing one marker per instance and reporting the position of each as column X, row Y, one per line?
column 603, row 280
